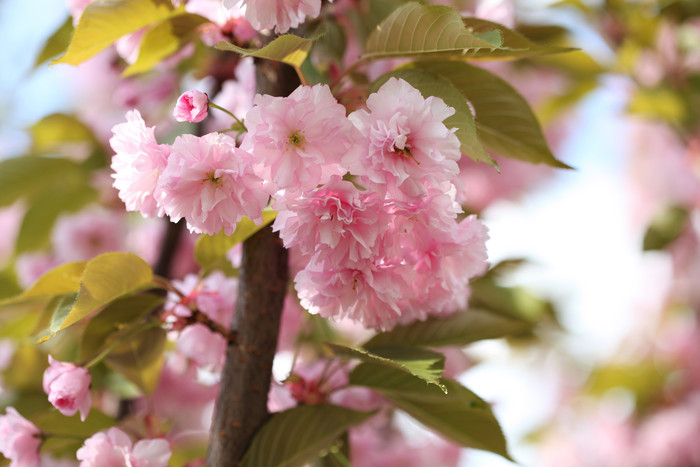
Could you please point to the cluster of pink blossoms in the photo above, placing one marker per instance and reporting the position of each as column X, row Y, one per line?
column 279, row 14
column 367, row 199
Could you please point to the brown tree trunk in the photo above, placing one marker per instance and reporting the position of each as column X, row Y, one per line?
column 241, row 407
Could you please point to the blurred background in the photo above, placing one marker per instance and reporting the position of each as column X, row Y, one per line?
column 606, row 255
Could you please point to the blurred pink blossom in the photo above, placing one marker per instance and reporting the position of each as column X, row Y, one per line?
column 280, row 14
column 114, row 448
column 82, row 236
column 19, row 439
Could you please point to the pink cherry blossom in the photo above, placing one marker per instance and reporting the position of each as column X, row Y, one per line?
column 280, row 14
column 137, row 164
column 298, row 141
column 82, row 236
column 406, row 145
column 192, row 106
column 336, row 217
column 68, row 387
column 19, row 439
column 114, row 448
column 210, row 182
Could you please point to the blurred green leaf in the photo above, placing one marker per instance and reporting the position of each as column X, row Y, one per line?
column 287, row 48
column 58, row 129
column 505, row 122
column 57, row 43
column 24, row 177
column 430, row 84
column 460, row 329
column 105, row 21
column 660, row 103
column 61, row 280
column 165, row 39
column 459, row 415
column 105, row 278
column 425, row 364
column 665, row 228
column 299, row 435
column 140, row 358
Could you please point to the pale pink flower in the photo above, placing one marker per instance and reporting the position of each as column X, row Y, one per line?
column 210, row 182
column 215, row 296
column 192, row 106
column 68, row 387
column 205, row 348
column 406, row 145
column 76, row 8
column 298, row 141
column 369, row 291
column 82, row 236
column 280, row 14
column 336, row 217
column 31, row 266
column 19, row 439
column 114, row 448
column 128, row 46
column 313, row 382
column 138, row 163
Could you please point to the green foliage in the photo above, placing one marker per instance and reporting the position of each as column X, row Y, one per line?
column 460, row 329
column 140, row 357
column 67, row 434
column 105, row 278
column 505, row 122
column 287, row 48
column 25, row 177
column 659, row 103
column 459, row 415
column 105, row 21
column 61, row 280
column 57, row 43
column 299, row 435
column 430, row 84
column 421, row 363
column 57, row 129
column 165, row 39
column 665, row 228
column 210, row 250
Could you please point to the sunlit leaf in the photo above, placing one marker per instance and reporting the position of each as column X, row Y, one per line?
column 287, row 48
column 165, row 39
column 416, row 30
column 430, row 84
column 459, row 415
column 105, row 278
column 299, row 435
column 61, row 280
column 505, row 122
column 57, row 129
column 57, row 43
column 460, row 329
column 210, row 250
column 425, row 364
column 105, row 21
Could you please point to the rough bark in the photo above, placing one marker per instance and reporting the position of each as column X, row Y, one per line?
column 241, row 407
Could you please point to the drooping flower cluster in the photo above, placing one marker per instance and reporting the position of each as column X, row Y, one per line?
column 366, row 199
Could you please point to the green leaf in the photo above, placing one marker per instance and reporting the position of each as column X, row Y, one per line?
column 299, row 435
column 460, row 329
column 430, row 84
column 459, row 415
column 421, row 363
column 105, row 21
column 26, row 176
column 62, row 280
column 140, row 359
column 665, row 228
column 46, row 207
column 63, row 306
column 57, row 43
column 165, row 39
column 511, row 302
column 115, row 322
column 8, row 285
column 54, row 422
column 415, row 30
column 57, row 129
column 210, row 250
column 105, row 278
column 287, row 48
column 659, row 103
column 504, row 119
column 509, row 43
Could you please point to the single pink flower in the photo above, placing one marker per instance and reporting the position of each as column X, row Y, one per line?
column 84, row 235
column 137, row 164
column 210, row 182
column 406, row 146
column 68, row 387
column 114, row 449
column 280, row 14
column 192, row 106
column 19, row 440
column 298, row 141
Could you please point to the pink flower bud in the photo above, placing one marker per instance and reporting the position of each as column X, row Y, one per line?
column 192, row 106
column 68, row 387
column 19, row 440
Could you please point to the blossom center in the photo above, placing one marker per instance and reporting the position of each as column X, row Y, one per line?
column 296, row 139
column 211, row 177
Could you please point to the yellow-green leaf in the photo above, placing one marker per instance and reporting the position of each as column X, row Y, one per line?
column 141, row 358
column 105, row 21
column 423, row 30
column 105, row 278
column 57, row 129
column 165, row 39
column 62, row 280
column 287, row 48
column 505, row 122
column 57, row 43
